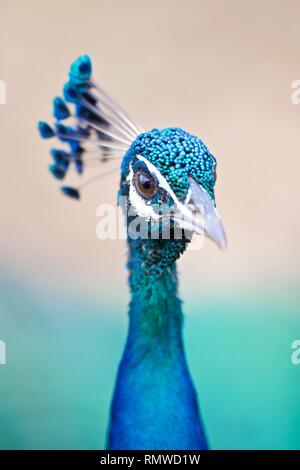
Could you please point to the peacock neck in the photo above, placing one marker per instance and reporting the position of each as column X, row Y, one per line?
column 155, row 314
column 154, row 404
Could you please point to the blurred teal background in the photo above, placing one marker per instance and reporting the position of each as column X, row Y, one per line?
column 57, row 384
column 222, row 70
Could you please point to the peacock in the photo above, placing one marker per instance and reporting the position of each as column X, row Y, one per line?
column 167, row 179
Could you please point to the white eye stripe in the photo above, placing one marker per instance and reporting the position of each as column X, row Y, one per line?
column 205, row 221
column 162, row 182
column 143, row 208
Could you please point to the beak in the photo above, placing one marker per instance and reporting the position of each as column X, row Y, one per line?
column 200, row 216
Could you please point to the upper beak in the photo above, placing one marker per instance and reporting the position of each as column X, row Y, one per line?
column 200, row 216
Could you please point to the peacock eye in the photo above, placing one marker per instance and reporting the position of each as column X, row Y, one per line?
column 145, row 184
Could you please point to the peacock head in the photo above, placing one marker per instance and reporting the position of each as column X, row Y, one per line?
column 167, row 176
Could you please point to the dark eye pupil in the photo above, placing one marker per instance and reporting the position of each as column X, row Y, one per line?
column 145, row 182
column 145, row 185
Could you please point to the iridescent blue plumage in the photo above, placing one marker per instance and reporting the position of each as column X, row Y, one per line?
column 93, row 127
column 61, row 158
column 70, row 93
column 71, row 192
column 178, row 155
column 81, row 70
column 154, row 404
column 46, row 132
column 57, row 171
column 60, row 109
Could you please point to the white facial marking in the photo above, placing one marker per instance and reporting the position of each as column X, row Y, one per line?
column 143, row 208
column 162, row 182
column 206, row 220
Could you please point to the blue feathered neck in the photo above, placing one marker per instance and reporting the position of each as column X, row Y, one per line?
column 154, row 404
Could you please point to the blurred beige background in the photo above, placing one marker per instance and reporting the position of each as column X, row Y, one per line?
column 220, row 69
